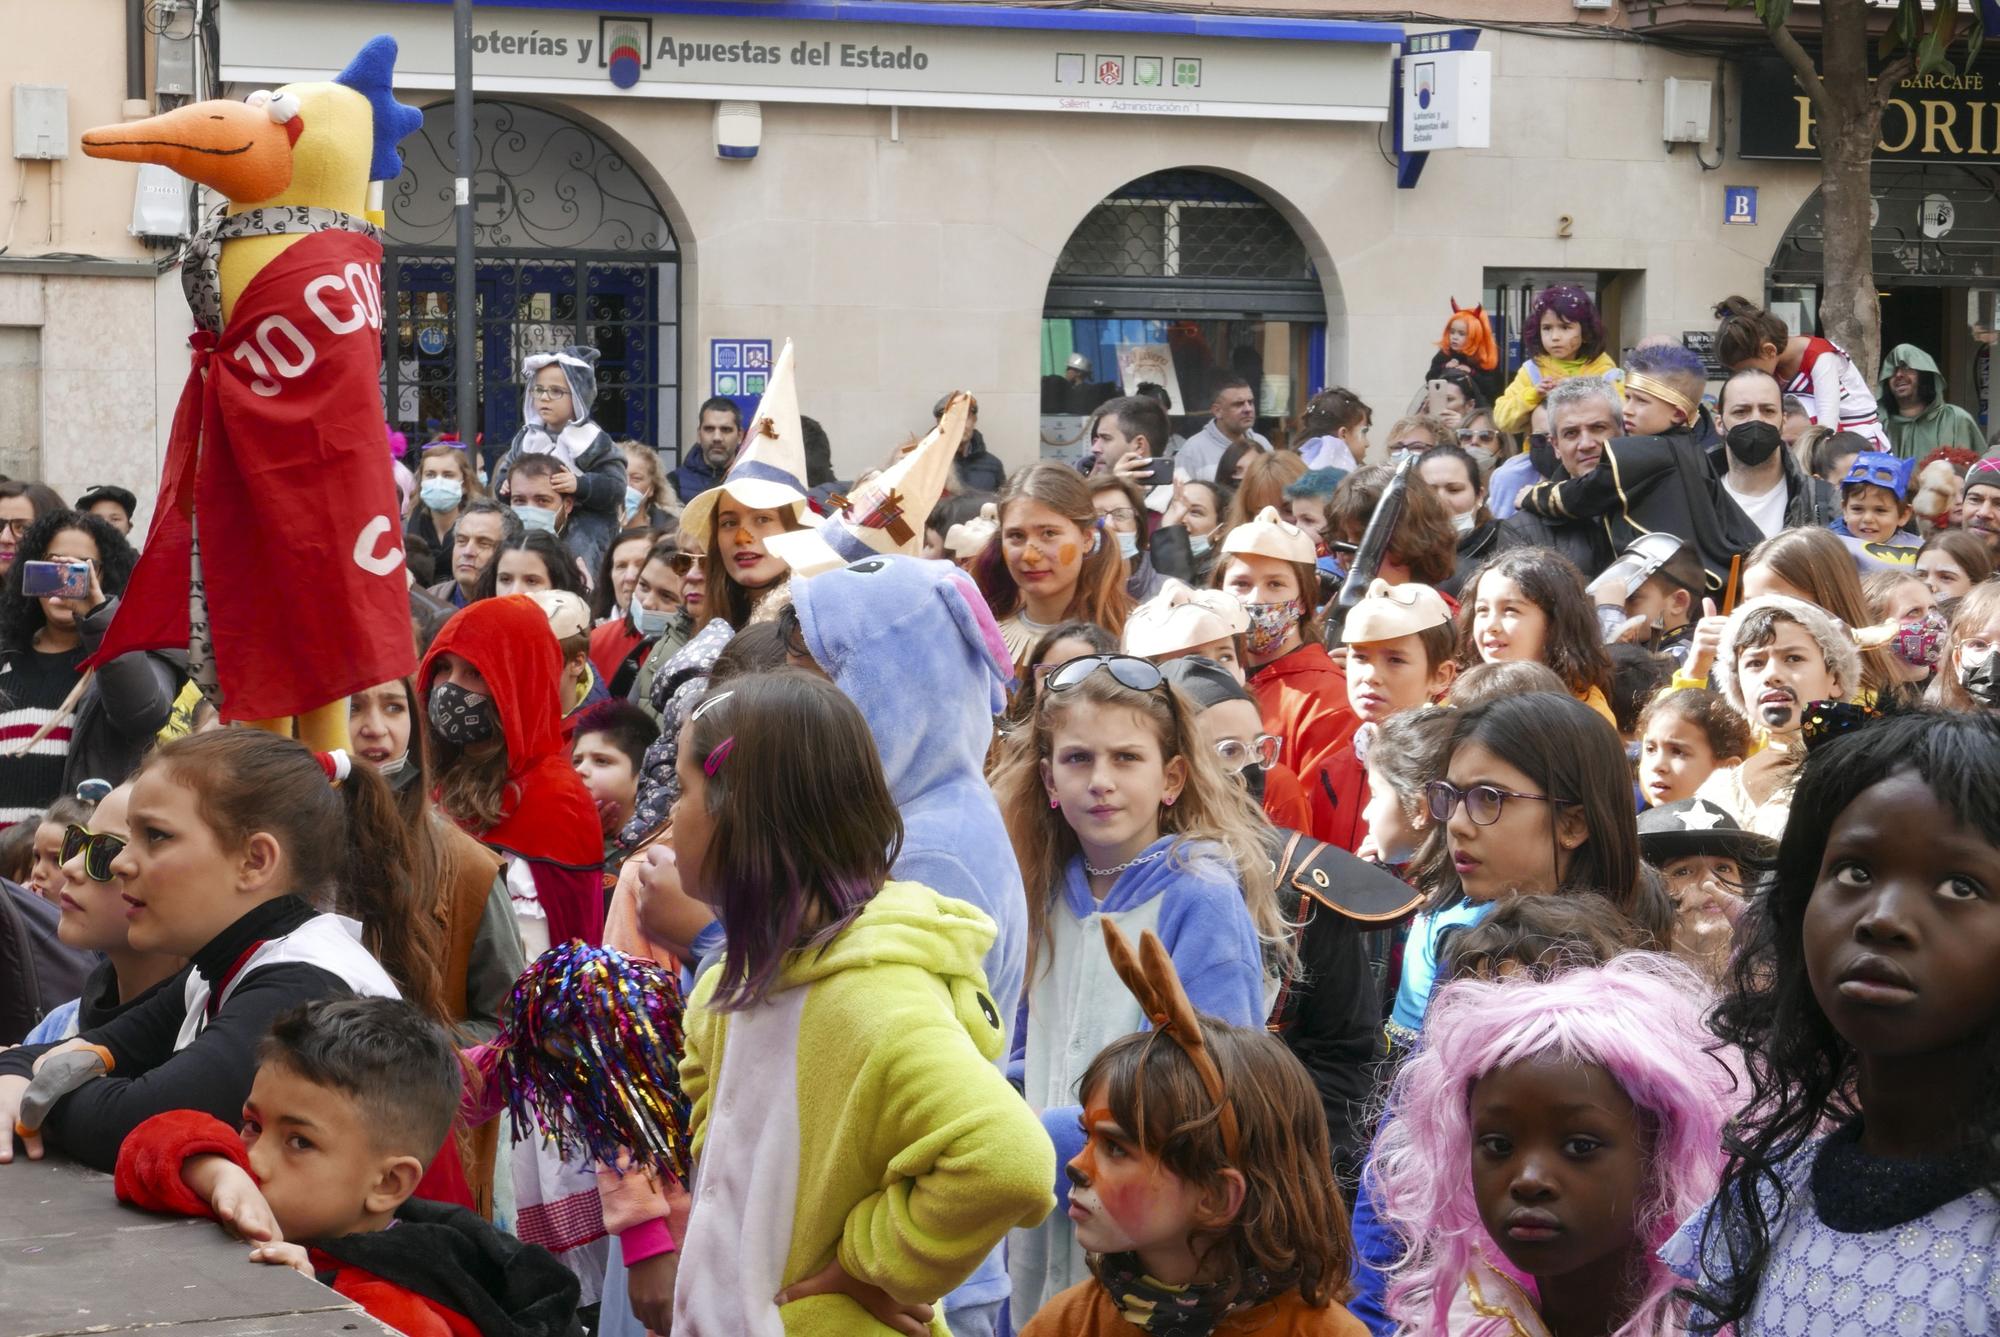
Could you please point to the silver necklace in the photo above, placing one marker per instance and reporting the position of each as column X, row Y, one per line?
column 1115, row 869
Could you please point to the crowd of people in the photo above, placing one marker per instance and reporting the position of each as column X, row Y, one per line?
column 1538, row 874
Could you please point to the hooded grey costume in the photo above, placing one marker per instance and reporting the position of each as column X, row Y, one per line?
column 581, row 447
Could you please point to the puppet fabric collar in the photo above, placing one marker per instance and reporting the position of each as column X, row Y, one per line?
column 199, row 278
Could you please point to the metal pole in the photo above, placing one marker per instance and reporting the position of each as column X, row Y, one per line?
column 464, row 317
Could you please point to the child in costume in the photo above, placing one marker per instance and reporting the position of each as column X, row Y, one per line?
column 1269, row 565
column 1875, row 501
column 1329, row 1005
column 561, row 388
column 1202, row 1194
column 891, row 631
column 1534, row 797
column 240, row 827
column 1562, row 337
column 1118, row 809
column 1708, row 863
column 1860, row 1185
column 858, row 1154
column 1778, row 655
column 1815, row 371
column 1467, row 346
column 374, row 1085
column 1544, row 1140
column 1529, row 604
column 1402, row 653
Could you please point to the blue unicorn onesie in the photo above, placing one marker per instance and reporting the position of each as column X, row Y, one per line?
column 913, row 645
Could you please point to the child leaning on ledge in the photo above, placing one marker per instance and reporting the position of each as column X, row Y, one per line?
column 353, row 1098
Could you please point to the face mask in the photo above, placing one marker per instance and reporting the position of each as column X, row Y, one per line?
column 650, row 622
column 1751, row 443
column 537, row 517
column 1199, row 544
column 1981, row 681
column 1253, row 780
column 1482, row 454
column 1463, row 523
column 461, row 717
column 1269, row 623
column 1128, row 546
column 633, row 498
column 1919, row 643
column 395, row 766
column 442, row 494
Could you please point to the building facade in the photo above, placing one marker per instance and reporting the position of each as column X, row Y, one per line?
column 935, row 196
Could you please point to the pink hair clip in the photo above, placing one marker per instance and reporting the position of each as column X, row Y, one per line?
column 714, row 761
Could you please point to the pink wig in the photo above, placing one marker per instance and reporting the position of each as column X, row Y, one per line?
column 1639, row 1017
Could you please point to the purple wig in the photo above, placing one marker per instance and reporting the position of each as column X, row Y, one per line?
column 1639, row 1017
column 1573, row 304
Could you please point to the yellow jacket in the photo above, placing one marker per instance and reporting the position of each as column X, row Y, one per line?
column 855, row 1114
column 1534, row 379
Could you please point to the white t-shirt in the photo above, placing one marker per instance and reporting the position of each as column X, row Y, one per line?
column 1766, row 510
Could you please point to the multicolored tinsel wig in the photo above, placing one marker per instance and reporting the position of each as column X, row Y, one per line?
column 590, row 1047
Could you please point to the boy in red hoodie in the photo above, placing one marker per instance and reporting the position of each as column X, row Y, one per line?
column 353, row 1097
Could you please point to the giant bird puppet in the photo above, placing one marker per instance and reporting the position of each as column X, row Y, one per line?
column 275, row 552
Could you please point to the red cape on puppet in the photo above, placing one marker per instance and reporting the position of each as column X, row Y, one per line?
column 549, row 817
column 297, row 507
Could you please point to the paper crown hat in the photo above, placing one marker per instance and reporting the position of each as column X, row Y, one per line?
column 1270, row 535
column 967, row 537
column 886, row 514
column 1388, row 611
column 769, row 472
column 1180, row 618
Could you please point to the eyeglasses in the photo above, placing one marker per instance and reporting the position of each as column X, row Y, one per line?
column 98, row 849
column 17, row 528
column 1482, row 802
column 547, row 392
column 683, row 562
column 1478, row 436
column 1261, row 752
column 1122, row 515
column 1129, row 671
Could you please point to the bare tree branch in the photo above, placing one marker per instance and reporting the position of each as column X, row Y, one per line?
column 1803, row 69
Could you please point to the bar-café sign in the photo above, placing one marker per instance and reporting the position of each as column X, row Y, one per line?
column 1950, row 116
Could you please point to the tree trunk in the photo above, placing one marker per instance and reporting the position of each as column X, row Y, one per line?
column 1850, row 123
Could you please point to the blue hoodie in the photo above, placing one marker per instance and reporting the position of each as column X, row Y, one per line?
column 914, row 646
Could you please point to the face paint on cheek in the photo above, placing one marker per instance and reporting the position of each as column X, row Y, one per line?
column 1066, row 555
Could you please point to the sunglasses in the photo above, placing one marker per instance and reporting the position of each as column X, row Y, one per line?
column 1482, row 802
column 1129, row 671
column 98, row 849
column 1477, row 436
column 683, row 562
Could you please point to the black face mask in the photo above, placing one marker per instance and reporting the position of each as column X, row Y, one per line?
column 1751, row 443
column 1982, row 681
column 1253, row 778
column 462, row 717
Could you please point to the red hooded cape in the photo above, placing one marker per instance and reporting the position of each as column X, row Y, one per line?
column 549, row 817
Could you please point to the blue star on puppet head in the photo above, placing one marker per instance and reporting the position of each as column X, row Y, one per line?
column 372, row 74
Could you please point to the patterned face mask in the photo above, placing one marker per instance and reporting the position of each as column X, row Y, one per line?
column 461, row 717
column 1919, row 644
column 1269, row 623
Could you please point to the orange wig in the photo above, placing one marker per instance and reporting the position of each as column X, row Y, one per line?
column 1479, row 345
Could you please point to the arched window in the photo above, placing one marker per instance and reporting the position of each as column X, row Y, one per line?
column 1180, row 277
column 571, row 248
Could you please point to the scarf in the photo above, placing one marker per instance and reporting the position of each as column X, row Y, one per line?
column 200, row 281
column 1174, row 1311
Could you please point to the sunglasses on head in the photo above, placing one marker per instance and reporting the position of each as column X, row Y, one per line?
column 1128, row 670
column 98, row 849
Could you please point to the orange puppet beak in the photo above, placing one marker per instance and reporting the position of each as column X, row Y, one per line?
column 232, row 147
